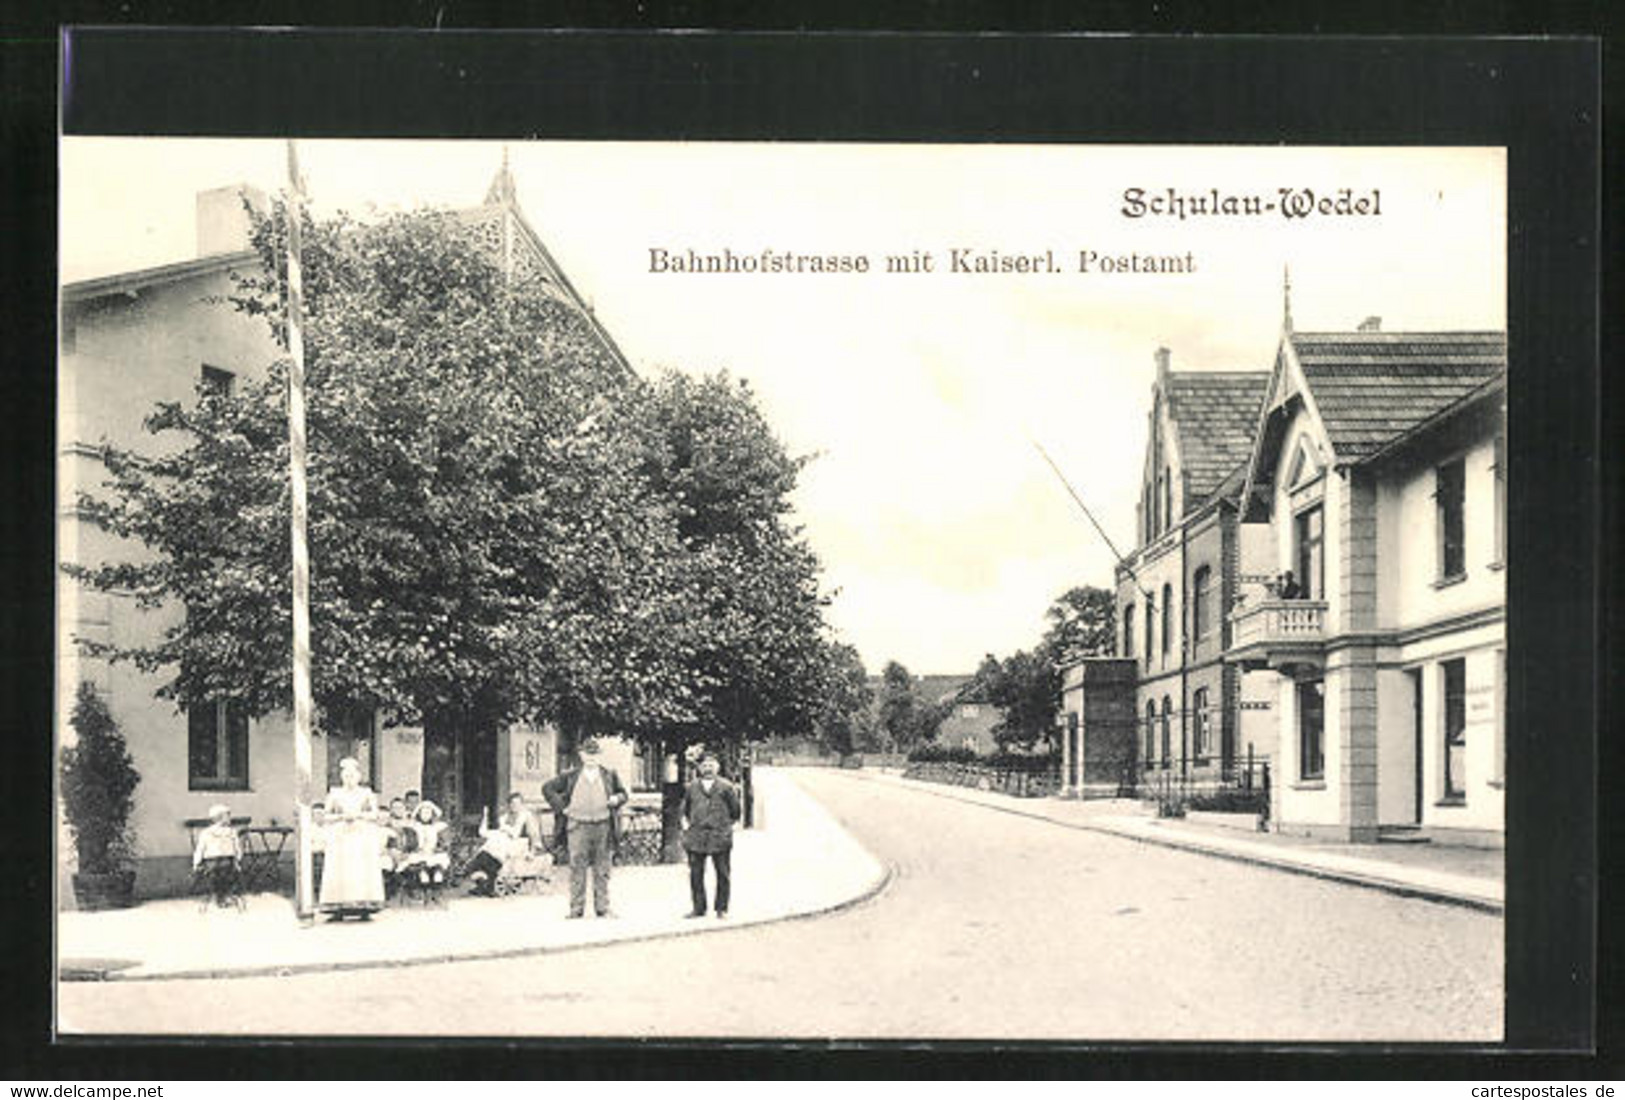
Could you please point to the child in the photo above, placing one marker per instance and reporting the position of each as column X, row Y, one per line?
column 509, row 842
column 393, row 833
column 426, row 861
column 219, row 855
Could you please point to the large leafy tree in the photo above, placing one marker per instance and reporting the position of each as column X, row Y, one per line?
column 504, row 523
column 906, row 715
column 483, row 548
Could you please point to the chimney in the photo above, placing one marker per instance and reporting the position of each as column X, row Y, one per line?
column 1371, row 324
column 1162, row 365
column 222, row 223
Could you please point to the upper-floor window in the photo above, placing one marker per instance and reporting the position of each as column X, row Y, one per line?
column 215, row 381
column 217, row 746
column 969, row 710
column 1150, row 621
column 1449, row 496
column 1201, row 603
column 1128, row 630
column 1309, row 527
column 1167, row 498
column 1167, row 619
column 1500, row 471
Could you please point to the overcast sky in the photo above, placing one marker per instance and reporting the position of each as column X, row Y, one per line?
column 943, row 534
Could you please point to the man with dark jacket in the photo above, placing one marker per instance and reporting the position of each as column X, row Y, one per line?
column 584, row 801
column 710, row 808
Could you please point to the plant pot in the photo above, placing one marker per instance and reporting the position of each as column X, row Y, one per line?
column 109, row 890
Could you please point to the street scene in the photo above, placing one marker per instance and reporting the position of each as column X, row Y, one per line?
column 496, row 598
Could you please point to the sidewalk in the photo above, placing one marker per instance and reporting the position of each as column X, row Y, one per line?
column 799, row 862
column 1456, row 875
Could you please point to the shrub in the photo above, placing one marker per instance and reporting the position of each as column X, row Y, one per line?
column 98, row 786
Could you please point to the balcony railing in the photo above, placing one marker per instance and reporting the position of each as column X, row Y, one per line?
column 1278, row 633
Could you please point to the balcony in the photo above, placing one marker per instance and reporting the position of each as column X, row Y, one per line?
column 1279, row 634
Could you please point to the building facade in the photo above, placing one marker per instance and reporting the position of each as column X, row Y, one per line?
column 1378, row 480
column 1198, row 719
column 128, row 342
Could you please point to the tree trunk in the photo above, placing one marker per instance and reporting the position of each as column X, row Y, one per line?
column 440, row 761
column 671, row 806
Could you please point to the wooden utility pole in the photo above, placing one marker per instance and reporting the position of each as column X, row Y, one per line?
column 303, row 708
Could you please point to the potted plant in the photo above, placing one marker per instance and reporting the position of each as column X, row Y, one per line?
column 98, row 794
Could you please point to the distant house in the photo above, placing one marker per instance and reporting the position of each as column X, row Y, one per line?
column 970, row 718
column 1378, row 477
column 130, row 340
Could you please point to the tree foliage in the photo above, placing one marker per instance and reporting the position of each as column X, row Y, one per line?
column 504, row 524
column 845, row 722
column 1026, row 686
column 98, row 785
column 907, row 717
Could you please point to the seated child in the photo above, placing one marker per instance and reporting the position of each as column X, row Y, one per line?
column 511, row 840
column 426, row 858
column 392, row 838
column 219, row 855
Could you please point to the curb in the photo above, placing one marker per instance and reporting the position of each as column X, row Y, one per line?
column 85, row 973
column 1184, row 844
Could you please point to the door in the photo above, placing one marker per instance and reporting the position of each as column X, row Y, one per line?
column 353, row 734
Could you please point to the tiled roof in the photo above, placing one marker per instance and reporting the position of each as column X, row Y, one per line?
column 1216, row 414
column 1372, row 387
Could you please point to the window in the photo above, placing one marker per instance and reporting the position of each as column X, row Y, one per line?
column 1500, row 470
column 1201, row 610
column 1167, row 499
column 1128, row 630
column 1167, row 731
column 1500, row 716
column 1455, row 728
column 1312, row 729
column 1150, row 733
column 217, row 746
column 215, row 382
column 1309, row 526
column 969, row 710
column 1448, row 496
column 1167, row 618
column 1204, row 724
column 1150, row 620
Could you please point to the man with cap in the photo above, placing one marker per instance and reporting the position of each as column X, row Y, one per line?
column 710, row 808
column 584, row 801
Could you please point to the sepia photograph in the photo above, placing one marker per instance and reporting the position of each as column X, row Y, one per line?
column 794, row 590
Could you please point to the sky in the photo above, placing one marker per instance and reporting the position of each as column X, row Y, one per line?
column 943, row 534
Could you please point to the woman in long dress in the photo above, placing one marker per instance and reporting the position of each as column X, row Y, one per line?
column 352, row 875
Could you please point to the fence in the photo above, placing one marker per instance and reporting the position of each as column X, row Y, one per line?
column 1242, row 788
column 1018, row 782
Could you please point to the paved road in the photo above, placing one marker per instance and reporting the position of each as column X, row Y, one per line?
column 994, row 926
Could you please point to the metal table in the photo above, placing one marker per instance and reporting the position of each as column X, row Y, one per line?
column 263, row 846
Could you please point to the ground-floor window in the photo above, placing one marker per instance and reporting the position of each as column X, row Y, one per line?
column 1312, row 729
column 1204, row 724
column 217, row 746
column 1167, row 731
column 1150, row 733
column 1455, row 728
column 353, row 734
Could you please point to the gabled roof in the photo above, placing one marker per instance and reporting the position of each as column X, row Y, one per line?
column 1215, row 414
column 1373, row 387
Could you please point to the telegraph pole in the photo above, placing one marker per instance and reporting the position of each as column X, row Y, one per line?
column 303, row 708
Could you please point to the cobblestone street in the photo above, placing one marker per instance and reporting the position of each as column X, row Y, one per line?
column 993, row 926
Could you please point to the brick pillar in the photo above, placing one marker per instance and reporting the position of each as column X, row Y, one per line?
column 1354, row 667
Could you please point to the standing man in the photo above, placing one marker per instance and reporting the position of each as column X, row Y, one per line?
column 584, row 801
column 710, row 808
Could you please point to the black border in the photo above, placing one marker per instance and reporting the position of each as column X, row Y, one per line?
column 1540, row 98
